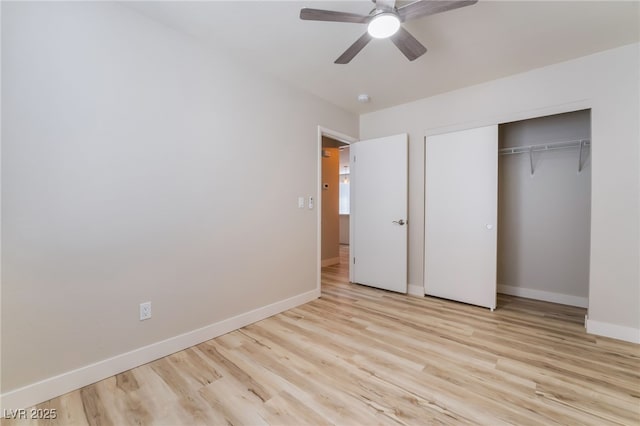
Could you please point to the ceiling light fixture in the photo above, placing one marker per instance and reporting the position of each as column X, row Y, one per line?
column 384, row 25
column 363, row 98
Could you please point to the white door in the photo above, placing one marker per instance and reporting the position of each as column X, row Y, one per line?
column 379, row 170
column 461, row 212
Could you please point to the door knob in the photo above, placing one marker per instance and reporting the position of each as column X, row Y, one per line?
column 400, row 222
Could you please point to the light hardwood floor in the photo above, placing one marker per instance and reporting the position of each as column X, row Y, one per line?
column 361, row 356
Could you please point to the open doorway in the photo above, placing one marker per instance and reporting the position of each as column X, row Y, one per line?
column 333, row 202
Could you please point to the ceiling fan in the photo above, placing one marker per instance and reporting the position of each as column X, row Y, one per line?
column 384, row 22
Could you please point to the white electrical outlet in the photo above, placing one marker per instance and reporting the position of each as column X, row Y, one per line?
column 145, row 311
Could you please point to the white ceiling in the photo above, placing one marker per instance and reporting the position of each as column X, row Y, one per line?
column 478, row 43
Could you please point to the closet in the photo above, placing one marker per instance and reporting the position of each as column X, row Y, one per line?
column 507, row 209
column 544, row 205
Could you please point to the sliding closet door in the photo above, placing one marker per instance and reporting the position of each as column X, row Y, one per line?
column 461, row 213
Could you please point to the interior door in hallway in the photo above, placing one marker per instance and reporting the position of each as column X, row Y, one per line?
column 379, row 182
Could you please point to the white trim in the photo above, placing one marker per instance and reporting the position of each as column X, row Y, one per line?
column 340, row 137
column 318, row 195
column 52, row 387
column 1, row 233
column 615, row 331
column 352, row 222
column 511, row 117
column 323, row 131
column 547, row 296
column 415, row 290
column 331, row 261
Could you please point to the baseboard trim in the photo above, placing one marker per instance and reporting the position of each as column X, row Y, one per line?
column 416, row 290
column 331, row 261
column 52, row 387
column 620, row 332
column 547, row 296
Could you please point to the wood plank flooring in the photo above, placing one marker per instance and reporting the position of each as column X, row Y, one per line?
column 361, row 356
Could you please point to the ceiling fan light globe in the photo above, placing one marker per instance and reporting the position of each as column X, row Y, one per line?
column 383, row 25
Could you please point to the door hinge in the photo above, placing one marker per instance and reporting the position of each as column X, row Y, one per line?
column 354, row 260
column 354, row 158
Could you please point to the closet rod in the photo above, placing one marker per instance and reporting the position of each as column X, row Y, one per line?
column 579, row 143
column 530, row 149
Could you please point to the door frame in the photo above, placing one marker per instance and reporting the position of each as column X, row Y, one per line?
column 341, row 137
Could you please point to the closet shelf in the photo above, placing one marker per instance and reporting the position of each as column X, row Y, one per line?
column 530, row 149
column 580, row 143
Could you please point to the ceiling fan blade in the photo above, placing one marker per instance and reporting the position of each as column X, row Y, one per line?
column 354, row 49
column 386, row 5
column 408, row 44
column 422, row 8
column 332, row 16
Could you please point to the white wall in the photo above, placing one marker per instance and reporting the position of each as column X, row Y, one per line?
column 544, row 220
column 119, row 137
column 608, row 83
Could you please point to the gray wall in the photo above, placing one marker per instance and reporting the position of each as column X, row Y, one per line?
column 132, row 159
column 544, row 219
